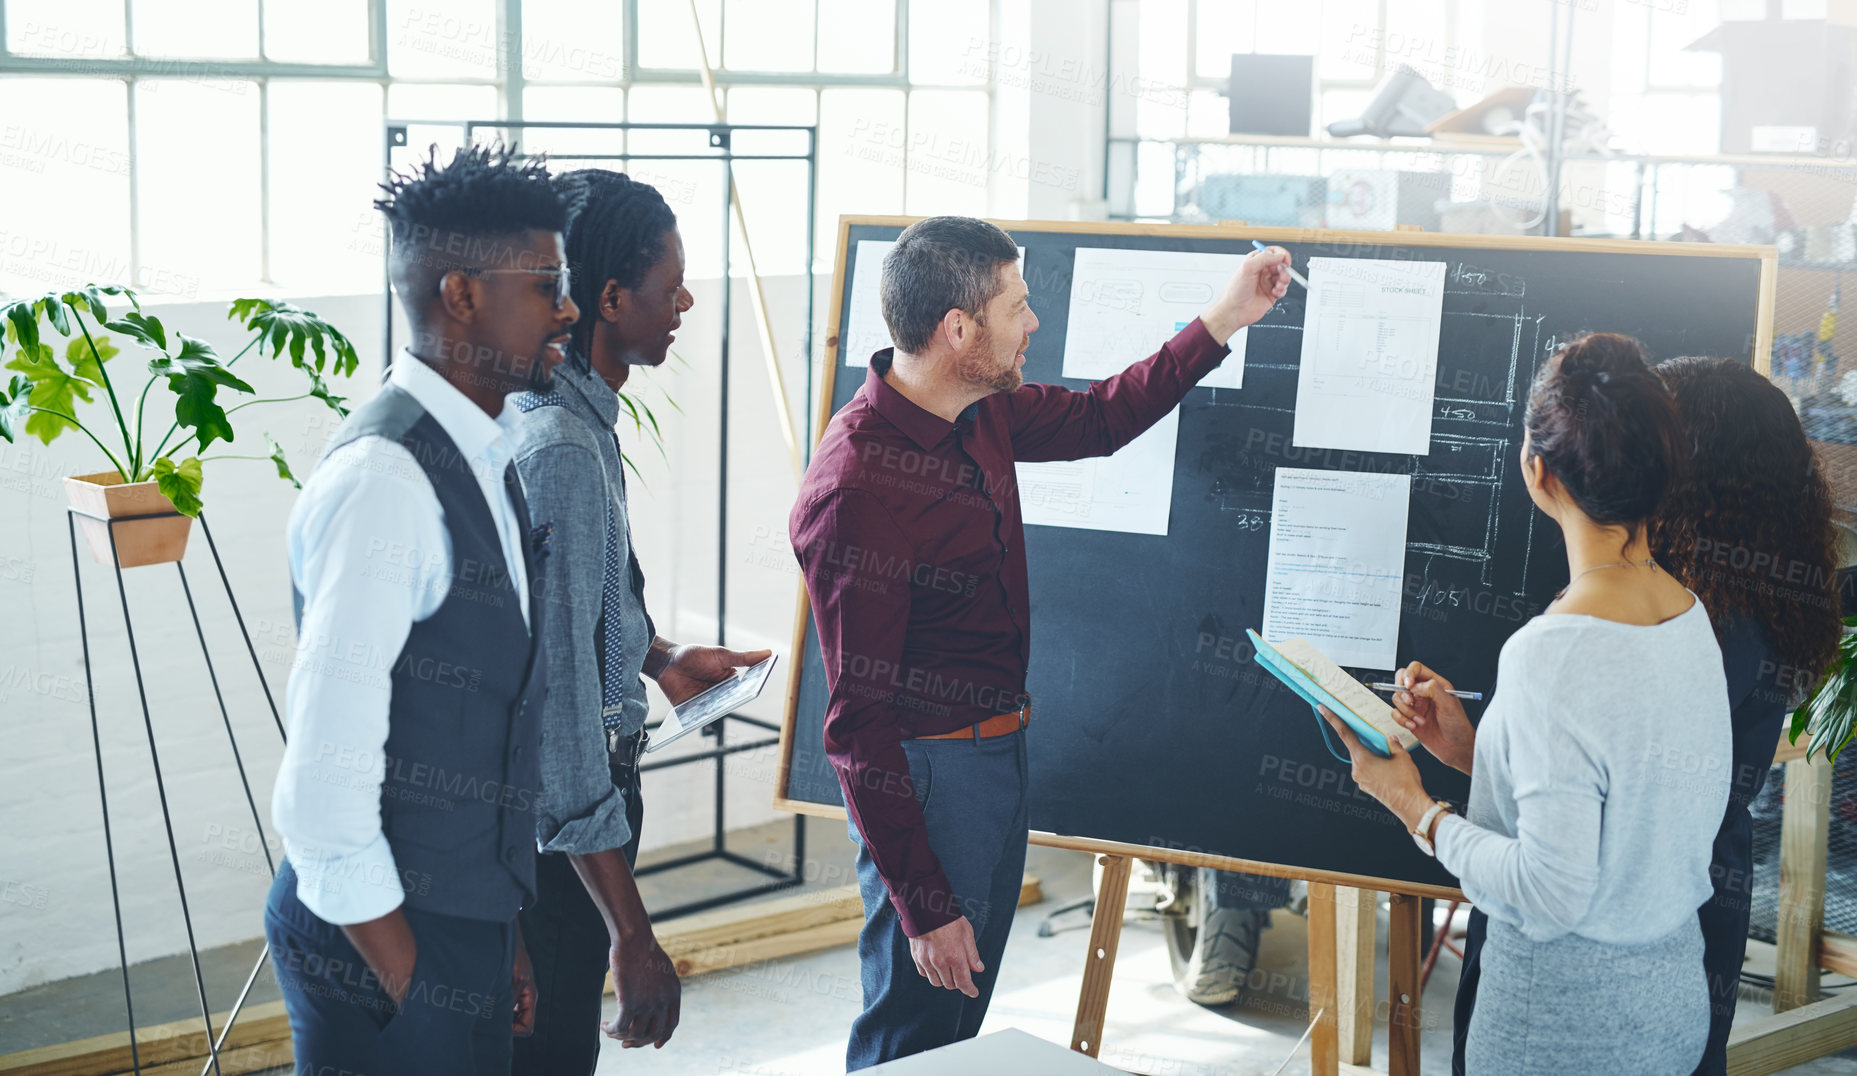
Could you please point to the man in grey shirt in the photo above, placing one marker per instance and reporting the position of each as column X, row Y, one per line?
column 628, row 266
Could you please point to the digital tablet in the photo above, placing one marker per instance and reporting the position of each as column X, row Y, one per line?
column 717, row 701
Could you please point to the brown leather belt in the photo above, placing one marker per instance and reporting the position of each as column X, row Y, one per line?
column 997, row 725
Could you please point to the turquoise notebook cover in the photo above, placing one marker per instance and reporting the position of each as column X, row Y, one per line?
column 1316, row 695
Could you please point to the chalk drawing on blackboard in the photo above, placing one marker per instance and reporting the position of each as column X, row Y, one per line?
column 1465, row 278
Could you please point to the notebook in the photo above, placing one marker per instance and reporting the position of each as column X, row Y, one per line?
column 1320, row 681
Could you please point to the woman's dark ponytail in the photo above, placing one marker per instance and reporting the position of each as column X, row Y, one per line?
column 1605, row 426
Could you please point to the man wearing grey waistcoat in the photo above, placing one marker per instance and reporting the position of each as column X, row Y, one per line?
column 404, row 797
column 627, row 261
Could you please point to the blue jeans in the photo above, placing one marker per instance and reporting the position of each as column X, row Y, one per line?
column 453, row 1021
column 973, row 797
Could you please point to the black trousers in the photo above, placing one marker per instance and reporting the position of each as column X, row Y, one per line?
column 568, row 946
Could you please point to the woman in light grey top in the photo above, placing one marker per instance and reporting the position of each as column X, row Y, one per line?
column 1601, row 768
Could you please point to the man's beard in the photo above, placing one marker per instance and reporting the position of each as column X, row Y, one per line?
column 541, row 376
column 979, row 368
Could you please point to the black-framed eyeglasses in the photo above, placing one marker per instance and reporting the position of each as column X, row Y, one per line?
column 560, row 272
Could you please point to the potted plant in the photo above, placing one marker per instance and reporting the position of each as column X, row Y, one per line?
column 159, row 478
column 1829, row 712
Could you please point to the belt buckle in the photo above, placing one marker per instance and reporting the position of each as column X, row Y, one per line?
column 628, row 749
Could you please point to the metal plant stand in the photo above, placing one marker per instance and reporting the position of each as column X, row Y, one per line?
column 214, row 1043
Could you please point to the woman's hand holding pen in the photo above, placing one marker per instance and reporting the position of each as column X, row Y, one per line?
column 1426, row 708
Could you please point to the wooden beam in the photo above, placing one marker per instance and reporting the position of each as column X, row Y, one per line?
column 1324, row 1040
column 1405, row 1016
column 769, row 929
column 1805, row 829
column 1775, row 1043
column 1355, row 913
column 1086, row 1033
column 1790, row 752
column 1838, row 953
column 181, row 1042
column 698, row 944
column 785, row 926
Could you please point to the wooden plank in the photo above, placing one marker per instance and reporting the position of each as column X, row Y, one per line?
column 1099, row 963
column 698, row 944
column 1763, row 313
column 1838, row 953
column 1405, row 1016
column 1343, row 236
column 259, row 1058
column 1248, row 866
column 769, row 929
column 1775, row 1043
column 157, row 1044
column 1185, row 858
column 1805, row 828
column 759, row 950
column 1355, row 912
column 1324, row 1039
column 747, row 922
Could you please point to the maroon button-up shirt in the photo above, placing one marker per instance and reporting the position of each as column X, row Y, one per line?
column 909, row 535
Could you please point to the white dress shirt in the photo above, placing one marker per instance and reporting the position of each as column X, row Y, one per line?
column 371, row 556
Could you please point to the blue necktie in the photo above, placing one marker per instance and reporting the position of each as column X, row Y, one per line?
column 612, row 595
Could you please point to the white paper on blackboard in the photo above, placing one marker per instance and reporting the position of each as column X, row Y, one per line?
column 1124, row 304
column 1131, row 491
column 1369, row 355
column 1337, row 557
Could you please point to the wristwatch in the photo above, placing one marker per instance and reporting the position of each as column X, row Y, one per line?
column 1422, row 836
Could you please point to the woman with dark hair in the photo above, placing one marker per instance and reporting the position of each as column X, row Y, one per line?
column 1588, row 834
column 1748, row 528
column 1750, row 532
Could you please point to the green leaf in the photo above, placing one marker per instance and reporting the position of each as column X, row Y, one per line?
column 1828, row 716
column 287, row 327
column 15, row 406
column 25, row 322
column 320, row 389
column 52, row 388
column 283, row 465
column 53, row 306
column 180, row 483
column 195, row 376
column 93, row 297
column 85, row 363
column 143, row 327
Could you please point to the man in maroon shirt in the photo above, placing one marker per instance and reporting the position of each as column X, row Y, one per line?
column 909, row 534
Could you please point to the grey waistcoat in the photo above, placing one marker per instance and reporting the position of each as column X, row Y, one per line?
column 457, row 803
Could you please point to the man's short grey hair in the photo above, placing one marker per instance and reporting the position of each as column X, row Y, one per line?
column 937, row 265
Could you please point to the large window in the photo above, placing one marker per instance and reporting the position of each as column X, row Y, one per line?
column 199, row 147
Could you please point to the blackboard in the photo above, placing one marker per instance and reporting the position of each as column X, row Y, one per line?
column 1154, row 733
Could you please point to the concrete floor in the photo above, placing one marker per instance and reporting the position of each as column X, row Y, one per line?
column 790, row 1017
